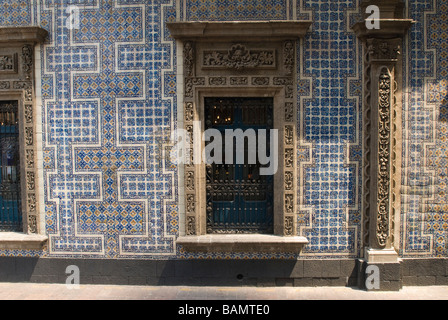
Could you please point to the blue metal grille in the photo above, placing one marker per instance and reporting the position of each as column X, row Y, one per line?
column 10, row 202
column 239, row 199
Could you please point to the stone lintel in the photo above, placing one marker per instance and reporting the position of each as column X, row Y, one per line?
column 237, row 30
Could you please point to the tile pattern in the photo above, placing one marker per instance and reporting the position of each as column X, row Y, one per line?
column 15, row 12
column 330, row 128
column 109, row 104
column 108, row 194
column 425, row 210
column 222, row 10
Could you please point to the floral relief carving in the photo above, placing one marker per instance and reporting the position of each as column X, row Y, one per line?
column 289, row 226
column 384, row 134
column 239, row 57
column 191, row 226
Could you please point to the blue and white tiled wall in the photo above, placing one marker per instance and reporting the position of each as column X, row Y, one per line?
column 108, row 88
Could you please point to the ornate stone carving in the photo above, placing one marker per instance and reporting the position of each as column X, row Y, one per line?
column 289, row 226
column 189, row 59
column 190, row 83
column 217, row 81
column 29, row 95
column 189, row 112
column 191, row 226
column 384, row 135
column 289, row 92
column 30, row 181
column 289, row 158
column 239, row 81
column 27, row 60
column 289, row 135
column 260, row 81
column 191, row 204
column 29, row 159
column 239, row 57
column 8, row 63
column 190, row 181
column 4, row 85
column 289, row 112
column 289, row 181
column 289, row 203
column 283, row 81
column 32, row 203
column 29, row 113
column 32, row 224
column 288, row 57
column 21, row 85
column 29, row 136
column 379, row 49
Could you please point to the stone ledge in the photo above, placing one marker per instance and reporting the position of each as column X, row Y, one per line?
column 23, row 34
column 242, row 243
column 21, row 241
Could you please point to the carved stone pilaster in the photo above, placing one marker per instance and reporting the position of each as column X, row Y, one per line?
column 382, row 128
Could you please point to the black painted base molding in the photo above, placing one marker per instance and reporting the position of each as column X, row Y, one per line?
column 299, row 273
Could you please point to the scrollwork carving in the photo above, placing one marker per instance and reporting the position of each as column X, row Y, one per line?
column 32, row 224
column 191, row 204
column 30, row 181
column 217, row 81
column 289, row 112
column 238, row 81
column 189, row 58
column 260, row 81
column 32, row 203
column 27, row 60
column 30, row 159
column 289, row 135
column 288, row 57
column 190, row 83
column 4, row 85
column 191, row 226
column 289, row 203
column 29, row 113
column 190, row 181
column 29, row 139
column 289, row 181
column 384, row 136
column 289, row 226
column 189, row 112
column 289, row 158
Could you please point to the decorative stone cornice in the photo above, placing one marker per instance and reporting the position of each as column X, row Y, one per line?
column 28, row 34
column 390, row 28
column 237, row 30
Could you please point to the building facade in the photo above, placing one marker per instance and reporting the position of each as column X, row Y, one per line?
column 94, row 93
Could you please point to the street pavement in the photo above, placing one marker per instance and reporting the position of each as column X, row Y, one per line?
column 34, row 291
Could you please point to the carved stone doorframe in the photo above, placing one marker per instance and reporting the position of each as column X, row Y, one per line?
column 17, row 82
column 241, row 59
column 382, row 128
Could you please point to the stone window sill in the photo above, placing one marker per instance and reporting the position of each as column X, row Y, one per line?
column 242, row 243
column 21, row 241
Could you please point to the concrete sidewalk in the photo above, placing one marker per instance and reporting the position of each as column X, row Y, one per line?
column 32, row 291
